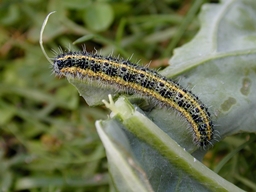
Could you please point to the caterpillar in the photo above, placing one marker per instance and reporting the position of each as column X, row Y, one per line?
column 128, row 77
column 125, row 76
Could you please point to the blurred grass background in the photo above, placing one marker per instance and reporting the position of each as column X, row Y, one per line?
column 48, row 141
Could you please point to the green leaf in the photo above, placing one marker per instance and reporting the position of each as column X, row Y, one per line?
column 125, row 171
column 167, row 165
column 99, row 16
column 93, row 93
column 219, row 63
column 76, row 4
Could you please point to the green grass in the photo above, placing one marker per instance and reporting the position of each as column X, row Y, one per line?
column 48, row 140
